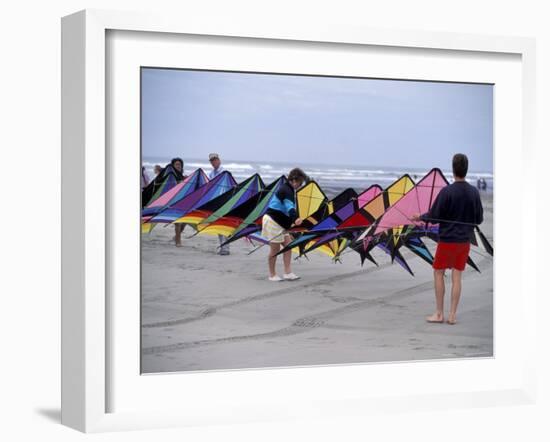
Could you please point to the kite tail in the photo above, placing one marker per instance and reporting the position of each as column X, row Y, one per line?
column 488, row 247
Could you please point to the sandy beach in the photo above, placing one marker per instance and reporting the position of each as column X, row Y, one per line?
column 202, row 311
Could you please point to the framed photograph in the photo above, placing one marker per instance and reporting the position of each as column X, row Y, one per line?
column 275, row 256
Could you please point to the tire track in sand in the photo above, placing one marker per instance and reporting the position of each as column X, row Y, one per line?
column 207, row 312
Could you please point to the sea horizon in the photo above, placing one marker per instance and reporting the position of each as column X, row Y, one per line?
column 337, row 176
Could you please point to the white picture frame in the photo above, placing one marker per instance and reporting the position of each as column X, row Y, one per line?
column 86, row 314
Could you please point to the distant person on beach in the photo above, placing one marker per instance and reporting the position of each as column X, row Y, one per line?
column 144, row 178
column 481, row 184
column 177, row 168
column 217, row 168
column 280, row 216
column 457, row 209
column 157, row 169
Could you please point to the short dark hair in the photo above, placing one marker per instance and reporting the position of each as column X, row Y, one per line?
column 460, row 165
column 297, row 174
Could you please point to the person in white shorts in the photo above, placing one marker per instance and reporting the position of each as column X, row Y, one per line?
column 279, row 217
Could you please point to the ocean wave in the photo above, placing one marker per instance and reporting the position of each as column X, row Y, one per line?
column 203, row 166
column 357, row 179
column 230, row 166
column 355, row 171
column 150, row 165
column 481, row 175
column 327, row 176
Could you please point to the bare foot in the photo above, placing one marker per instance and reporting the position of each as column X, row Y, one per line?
column 178, row 244
column 436, row 317
column 451, row 320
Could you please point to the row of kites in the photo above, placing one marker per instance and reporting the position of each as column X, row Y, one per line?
column 375, row 218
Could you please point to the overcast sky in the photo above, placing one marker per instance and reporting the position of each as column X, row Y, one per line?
column 300, row 119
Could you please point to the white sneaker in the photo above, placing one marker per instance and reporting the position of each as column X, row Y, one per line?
column 275, row 278
column 290, row 276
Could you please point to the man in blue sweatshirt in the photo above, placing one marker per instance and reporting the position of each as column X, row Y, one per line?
column 457, row 209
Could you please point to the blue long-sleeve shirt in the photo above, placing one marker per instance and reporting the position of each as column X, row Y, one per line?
column 457, row 209
column 282, row 207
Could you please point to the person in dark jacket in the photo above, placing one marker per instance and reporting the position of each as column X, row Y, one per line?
column 279, row 217
column 457, row 209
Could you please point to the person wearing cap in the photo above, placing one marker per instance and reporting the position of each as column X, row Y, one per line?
column 217, row 168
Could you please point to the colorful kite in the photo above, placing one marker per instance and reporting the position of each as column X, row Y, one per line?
column 176, row 193
column 245, row 218
column 362, row 217
column 323, row 230
column 375, row 218
column 204, row 216
column 215, row 187
column 164, row 181
column 395, row 228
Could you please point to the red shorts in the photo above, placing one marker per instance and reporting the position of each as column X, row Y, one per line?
column 451, row 255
